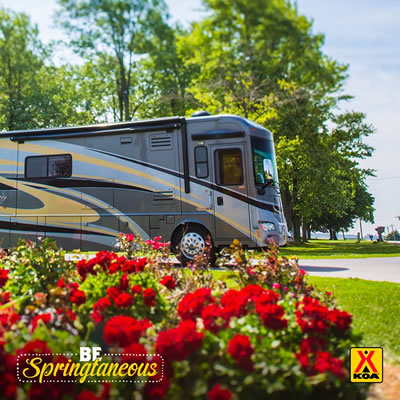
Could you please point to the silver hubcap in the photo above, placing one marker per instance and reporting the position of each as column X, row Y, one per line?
column 192, row 244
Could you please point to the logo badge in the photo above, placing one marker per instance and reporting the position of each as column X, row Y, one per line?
column 366, row 364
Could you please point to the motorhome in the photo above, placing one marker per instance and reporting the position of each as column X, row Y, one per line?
column 183, row 179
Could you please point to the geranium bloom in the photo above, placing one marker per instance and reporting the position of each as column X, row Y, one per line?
column 136, row 289
column 123, row 300
column 325, row 362
column 312, row 316
column 134, row 353
column 252, row 292
column 218, row 393
column 169, row 282
column 156, row 391
column 46, row 318
column 124, row 282
column 61, row 283
column 113, row 292
column 3, row 277
column 77, row 296
column 192, row 304
column 149, row 297
column 178, row 343
column 102, row 304
column 130, row 237
column 341, row 319
column 271, row 315
column 234, row 303
column 124, row 330
column 241, row 350
column 214, row 318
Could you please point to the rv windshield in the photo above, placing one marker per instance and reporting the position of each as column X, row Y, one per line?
column 264, row 161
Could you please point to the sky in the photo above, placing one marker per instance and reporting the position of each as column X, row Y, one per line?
column 362, row 33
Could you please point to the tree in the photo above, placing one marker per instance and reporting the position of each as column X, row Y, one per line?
column 116, row 32
column 22, row 58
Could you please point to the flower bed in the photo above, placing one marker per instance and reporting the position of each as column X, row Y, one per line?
column 271, row 336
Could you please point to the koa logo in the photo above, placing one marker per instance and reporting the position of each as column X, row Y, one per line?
column 366, row 364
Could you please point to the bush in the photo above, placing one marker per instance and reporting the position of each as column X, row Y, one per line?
column 272, row 336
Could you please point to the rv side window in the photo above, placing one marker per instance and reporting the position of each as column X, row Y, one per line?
column 201, row 161
column 36, row 167
column 60, row 166
column 48, row 166
column 229, row 169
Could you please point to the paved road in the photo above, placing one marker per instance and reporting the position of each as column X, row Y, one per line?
column 376, row 269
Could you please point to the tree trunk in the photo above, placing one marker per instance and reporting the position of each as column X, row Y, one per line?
column 332, row 234
column 304, row 231
column 296, row 228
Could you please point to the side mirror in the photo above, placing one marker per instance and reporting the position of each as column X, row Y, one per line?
column 268, row 169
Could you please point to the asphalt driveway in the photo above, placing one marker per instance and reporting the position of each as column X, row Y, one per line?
column 375, row 269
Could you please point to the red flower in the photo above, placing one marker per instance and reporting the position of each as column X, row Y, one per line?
column 178, row 343
column 130, row 237
column 115, row 266
column 268, row 297
column 136, row 289
column 271, row 315
column 169, row 282
column 134, row 353
column 102, row 304
column 234, row 303
column 218, row 393
column 7, row 319
column 61, row 283
column 124, row 330
column 312, row 316
column 123, row 300
column 78, row 297
column 46, row 318
column 33, row 347
column 214, row 318
column 3, row 277
column 325, row 362
column 157, row 238
column 192, row 304
column 86, row 395
column 124, row 282
column 156, row 391
column 241, row 350
column 5, row 297
column 149, row 297
column 113, row 292
column 252, row 292
column 341, row 319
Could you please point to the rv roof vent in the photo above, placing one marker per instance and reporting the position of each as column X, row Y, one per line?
column 161, row 141
column 200, row 113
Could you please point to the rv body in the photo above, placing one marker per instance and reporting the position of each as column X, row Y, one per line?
column 83, row 186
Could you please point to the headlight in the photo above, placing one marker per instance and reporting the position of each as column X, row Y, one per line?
column 267, row 226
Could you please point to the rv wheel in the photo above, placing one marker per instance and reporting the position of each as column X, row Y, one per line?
column 190, row 241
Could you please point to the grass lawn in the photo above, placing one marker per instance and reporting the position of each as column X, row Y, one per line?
column 375, row 307
column 340, row 249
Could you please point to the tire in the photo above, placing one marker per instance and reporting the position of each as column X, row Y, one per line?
column 189, row 240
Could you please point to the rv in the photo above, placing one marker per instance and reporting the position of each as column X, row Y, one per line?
column 184, row 179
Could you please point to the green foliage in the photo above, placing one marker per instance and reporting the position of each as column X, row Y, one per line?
column 34, row 268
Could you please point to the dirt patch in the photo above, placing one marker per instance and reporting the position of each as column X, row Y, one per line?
column 389, row 389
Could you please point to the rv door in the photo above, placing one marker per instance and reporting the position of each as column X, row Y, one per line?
column 230, row 191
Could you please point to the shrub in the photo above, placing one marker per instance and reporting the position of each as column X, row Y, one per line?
column 273, row 335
